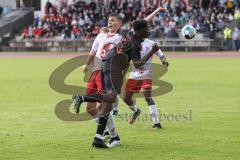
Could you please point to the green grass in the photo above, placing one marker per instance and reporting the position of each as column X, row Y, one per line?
column 210, row 88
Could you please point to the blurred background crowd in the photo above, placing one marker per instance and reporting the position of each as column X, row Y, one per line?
column 81, row 20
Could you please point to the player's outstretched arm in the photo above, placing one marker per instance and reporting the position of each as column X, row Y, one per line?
column 154, row 13
column 162, row 57
column 90, row 59
column 138, row 63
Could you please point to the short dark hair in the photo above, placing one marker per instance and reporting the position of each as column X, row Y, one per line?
column 117, row 16
column 139, row 24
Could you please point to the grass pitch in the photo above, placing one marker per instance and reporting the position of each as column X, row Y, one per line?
column 205, row 90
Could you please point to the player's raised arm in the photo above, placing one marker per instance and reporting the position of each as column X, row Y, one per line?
column 154, row 13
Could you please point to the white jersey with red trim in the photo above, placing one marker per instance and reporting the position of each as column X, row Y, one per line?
column 103, row 43
column 145, row 72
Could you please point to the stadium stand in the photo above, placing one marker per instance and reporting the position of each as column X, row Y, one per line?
column 15, row 21
column 80, row 22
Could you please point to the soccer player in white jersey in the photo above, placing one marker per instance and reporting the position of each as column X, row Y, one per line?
column 102, row 43
column 142, row 79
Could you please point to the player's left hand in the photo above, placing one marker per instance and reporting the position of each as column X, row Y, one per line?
column 162, row 9
column 165, row 63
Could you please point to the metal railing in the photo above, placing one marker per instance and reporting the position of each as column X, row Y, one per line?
column 185, row 44
column 54, row 45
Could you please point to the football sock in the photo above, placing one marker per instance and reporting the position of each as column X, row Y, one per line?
column 92, row 98
column 101, row 125
column 111, row 126
column 133, row 107
column 115, row 105
column 97, row 122
column 154, row 112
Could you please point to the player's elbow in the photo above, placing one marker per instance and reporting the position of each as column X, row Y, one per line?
column 138, row 65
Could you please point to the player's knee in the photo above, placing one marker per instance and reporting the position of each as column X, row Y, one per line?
column 111, row 98
column 91, row 109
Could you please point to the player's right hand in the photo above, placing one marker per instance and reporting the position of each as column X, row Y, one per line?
column 85, row 68
column 165, row 63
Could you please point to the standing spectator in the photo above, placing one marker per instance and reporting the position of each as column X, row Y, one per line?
column 93, row 5
column 25, row 33
column 220, row 24
column 30, row 32
column 113, row 5
column 49, row 7
column 1, row 10
column 237, row 16
column 38, row 32
column 229, row 5
column 172, row 33
column 236, row 38
column 228, row 38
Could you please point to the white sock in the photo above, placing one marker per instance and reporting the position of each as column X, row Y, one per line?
column 115, row 105
column 99, row 136
column 133, row 107
column 111, row 126
column 154, row 112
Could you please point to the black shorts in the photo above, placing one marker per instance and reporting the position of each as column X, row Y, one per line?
column 112, row 72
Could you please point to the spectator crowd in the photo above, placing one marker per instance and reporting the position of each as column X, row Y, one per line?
column 79, row 20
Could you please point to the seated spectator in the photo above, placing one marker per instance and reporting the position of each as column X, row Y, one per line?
column 88, row 36
column 96, row 30
column 172, row 33
column 25, row 33
column 67, row 33
column 75, row 33
column 38, row 32
column 60, row 18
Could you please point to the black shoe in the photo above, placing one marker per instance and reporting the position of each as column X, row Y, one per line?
column 114, row 142
column 77, row 102
column 157, row 126
column 99, row 143
column 134, row 116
